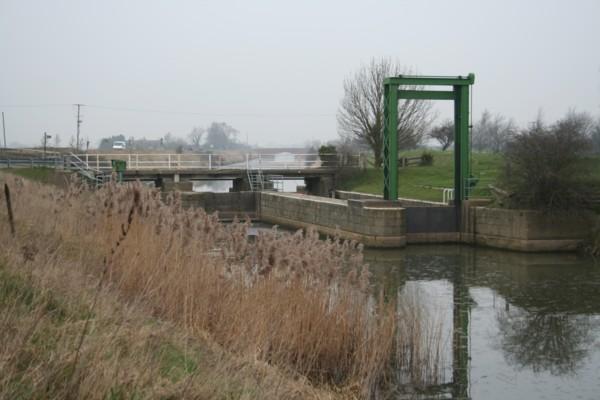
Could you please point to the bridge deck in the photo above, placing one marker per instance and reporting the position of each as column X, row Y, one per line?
column 205, row 173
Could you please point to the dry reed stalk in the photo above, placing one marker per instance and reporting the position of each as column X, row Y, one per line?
column 291, row 300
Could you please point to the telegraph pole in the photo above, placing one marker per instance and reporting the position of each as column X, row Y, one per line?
column 78, row 124
column 46, row 137
column 3, row 130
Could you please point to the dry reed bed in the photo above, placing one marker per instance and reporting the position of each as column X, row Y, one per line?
column 294, row 301
column 125, row 353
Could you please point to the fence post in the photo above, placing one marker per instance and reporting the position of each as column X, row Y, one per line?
column 97, row 162
column 11, row 219
column 129, row 159
column 169, row 161
column 247, row 161
column 210, row 161
column 87, row 160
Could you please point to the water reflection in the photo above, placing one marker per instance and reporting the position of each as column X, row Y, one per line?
column 557, row 343
column 218, row 186
column 522, row 325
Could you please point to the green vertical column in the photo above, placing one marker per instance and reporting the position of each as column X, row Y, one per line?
column 390, row 142
column 460, row 336
column 461, row 143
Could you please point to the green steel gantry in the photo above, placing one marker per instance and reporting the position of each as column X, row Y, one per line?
column 460, row 95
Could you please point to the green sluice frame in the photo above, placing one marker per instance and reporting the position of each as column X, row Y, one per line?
column 460, row 95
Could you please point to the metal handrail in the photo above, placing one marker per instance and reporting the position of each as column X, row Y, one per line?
column 447, row 195
column 140, row 161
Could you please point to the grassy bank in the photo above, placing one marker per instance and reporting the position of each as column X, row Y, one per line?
column 42, row 175
column 289, row 315
column 61, row 340
column 427, row 182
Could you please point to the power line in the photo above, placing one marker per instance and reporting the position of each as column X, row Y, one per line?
column 157, row 111
column 33, row 105
column 257, row 115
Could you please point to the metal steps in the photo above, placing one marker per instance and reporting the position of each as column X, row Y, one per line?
column 259, row 182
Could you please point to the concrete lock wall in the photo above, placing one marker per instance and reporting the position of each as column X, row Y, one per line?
column 229, row 205
column 375, row 223
column 346, row 195
column 525, row 230
column 378, row 223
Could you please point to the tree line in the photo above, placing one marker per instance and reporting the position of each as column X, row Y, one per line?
column 217, row 136
column 360, row 117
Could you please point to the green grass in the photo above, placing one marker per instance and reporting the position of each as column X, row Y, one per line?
column 427, row 182
column 41, row 174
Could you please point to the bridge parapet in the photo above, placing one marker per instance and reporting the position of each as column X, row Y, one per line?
column 216, row 161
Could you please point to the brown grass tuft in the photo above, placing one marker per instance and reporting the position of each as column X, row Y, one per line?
column 289, row 300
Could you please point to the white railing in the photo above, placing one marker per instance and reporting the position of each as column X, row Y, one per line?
column 447, row 195
column 263, row 161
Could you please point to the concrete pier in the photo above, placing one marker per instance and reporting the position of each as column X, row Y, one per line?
column 375, row 223
column 379, row 223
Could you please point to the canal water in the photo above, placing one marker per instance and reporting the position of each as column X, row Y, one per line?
column 529, row 323
column 220, row 186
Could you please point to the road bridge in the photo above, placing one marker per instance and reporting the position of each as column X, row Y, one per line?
column 248, row 171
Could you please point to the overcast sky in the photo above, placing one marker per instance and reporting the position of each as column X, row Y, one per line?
column 274, row 69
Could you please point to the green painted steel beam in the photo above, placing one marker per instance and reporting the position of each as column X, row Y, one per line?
column 430, row 80
column 460, row 95
column 461, row 144
column 425, row 95
column 390, row 142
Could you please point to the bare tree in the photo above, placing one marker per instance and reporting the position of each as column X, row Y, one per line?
column 443, row 133
column 171, row 141
column 492, row 132
column 196, row 135
column 596, row 137
column 576, row 123
column 360, row 115
column 222, row 136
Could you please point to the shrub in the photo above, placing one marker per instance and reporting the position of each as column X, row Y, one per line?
column 328, row 155
column 543, row 171
column 427, row 158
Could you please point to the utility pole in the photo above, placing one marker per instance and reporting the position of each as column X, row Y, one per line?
column 78, row 124
column 3, row 130
column 46, row 137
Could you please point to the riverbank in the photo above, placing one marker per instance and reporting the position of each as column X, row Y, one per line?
column 291, row 304
column 428, row 182
column 63, row 337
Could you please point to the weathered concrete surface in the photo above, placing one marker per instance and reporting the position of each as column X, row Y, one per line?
column 374, row 223
column 404, row 202
column 168, row 185
column 320, row 185
column 378, row 223
column 229, row 205
column 524, row 230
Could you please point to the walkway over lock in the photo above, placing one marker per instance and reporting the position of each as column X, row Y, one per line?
column 248, row 171
column 215, row 161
